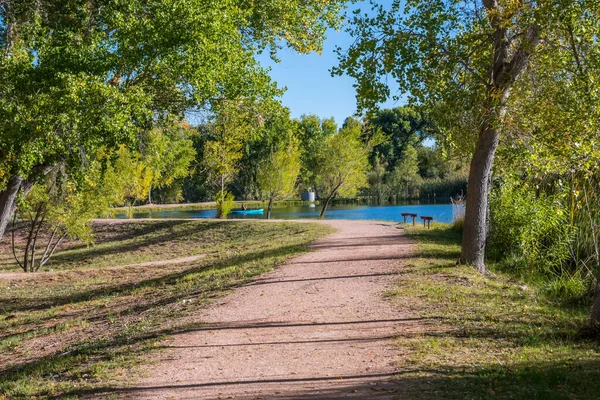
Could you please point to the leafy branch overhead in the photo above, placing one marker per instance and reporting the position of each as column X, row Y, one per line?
column 79, row 76
column 465, row 63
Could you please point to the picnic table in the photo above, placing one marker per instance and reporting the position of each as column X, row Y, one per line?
column 413, row 216
column 426, row 219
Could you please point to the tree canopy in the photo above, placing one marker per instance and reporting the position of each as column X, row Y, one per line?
column 313, row 132
column 78, row 75
column 278, row 172
column 464, row 62
column 343, row 162
column 403, row 127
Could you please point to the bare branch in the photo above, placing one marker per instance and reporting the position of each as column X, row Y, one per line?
column 13, row 246
column 53, row 250
column 35, row 238
column 49, row 242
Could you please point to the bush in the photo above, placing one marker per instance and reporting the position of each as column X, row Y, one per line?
column 582, row 198
column 224, row 205
column 458, row 225
column 529, row 232
column 568, row 289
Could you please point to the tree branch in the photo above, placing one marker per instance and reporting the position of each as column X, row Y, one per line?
column 578, row 62
column 43, row 262
column 35, row 238
column 13, row 245
column 49, row 243
column 521, row 57
column 448, row 54
column 30, row 236
column 490, row 4
column 9, row 30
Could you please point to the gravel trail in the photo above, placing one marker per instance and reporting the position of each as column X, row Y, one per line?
column 317, row 327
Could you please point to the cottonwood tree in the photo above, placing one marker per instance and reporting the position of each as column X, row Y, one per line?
column 461, row 60
column 343, row 162
column 313, row 132
column 167, row 153
column 405, row 175
column 276, row 130
column 80, row 75
column 278, row 173
column 402, row 127
column 130, row 175
column 234, row 123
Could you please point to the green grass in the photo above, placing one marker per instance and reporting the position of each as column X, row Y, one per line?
column 487, row 337
column 74, row 332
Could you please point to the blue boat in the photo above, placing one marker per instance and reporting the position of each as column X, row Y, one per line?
column 253, row 211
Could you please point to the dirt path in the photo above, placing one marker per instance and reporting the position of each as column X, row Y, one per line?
column 318, row 327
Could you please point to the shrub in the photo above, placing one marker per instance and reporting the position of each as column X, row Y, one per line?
column 458, row 225
column 569, row 289
column 529, row 232
column 224, row 204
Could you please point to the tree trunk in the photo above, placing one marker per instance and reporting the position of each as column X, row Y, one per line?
column 325, row 205
column 222, row 189
column 220, row 213
column 8, row 202
column 150, row 194
column 478, row 189
column 270, row 207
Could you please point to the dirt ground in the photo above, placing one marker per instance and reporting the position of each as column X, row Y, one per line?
column 317, row 327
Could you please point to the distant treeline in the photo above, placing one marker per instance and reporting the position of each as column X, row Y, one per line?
column 406, row 165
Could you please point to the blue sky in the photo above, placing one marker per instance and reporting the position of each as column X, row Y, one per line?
column 310, row 87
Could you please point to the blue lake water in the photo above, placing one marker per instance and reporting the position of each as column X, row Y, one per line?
column 439, row 212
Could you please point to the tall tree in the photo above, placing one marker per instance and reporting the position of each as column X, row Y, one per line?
column 79, row 75
column 402, row 126
column 313, row 132
column 405, row 175
column 167, row 152
column 223, row 151
column 276, row 131
column 343, row 162
column 278, row 173
column 462, row 60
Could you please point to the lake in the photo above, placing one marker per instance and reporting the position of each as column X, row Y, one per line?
column 439, row 212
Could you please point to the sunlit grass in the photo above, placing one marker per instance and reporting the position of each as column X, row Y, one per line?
column 488, row 337
column 78, row 329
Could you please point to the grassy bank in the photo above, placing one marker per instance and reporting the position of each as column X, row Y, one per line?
column 487, row 337
column 203, row 206
column 74, row 330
